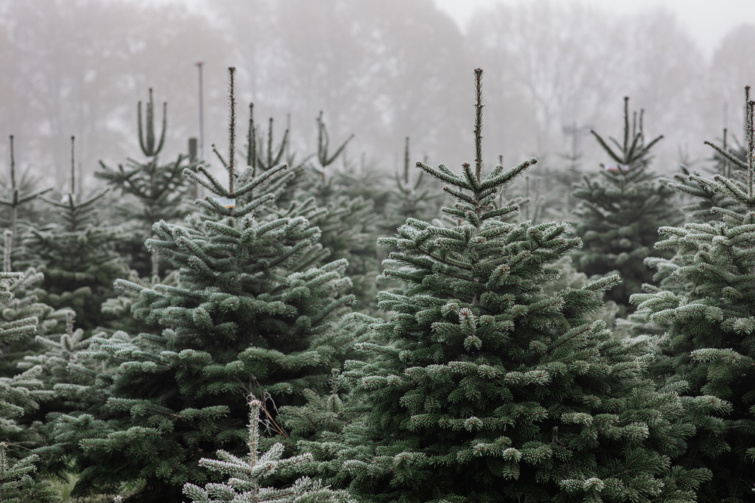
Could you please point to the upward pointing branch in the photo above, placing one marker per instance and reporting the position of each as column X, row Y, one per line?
column 478, row 124
column 73, row 166
column 12, row 166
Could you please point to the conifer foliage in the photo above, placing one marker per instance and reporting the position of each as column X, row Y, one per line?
column 243, row 317
column 620, row 213
column 482, row 387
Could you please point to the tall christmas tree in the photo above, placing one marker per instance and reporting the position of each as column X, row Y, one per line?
column 152, row 191
column 620, row 213
column 710, row 323
column 482, row 387
column 243, row 317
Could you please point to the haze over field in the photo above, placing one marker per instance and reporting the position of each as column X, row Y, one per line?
column 381, row 69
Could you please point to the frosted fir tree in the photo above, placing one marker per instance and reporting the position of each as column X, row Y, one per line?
column 620, row 213
column 410, row 198
column 76, row 253
column 20, row 395
column 243, row 316
column 709, row 321
column 150, row 191
column 247, row 474
column 349, row 226
column 480, row 386
column 23, row 303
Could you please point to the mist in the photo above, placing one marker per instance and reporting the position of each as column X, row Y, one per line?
column 382, row 70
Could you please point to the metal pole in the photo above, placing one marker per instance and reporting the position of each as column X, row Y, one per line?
column 201, row 114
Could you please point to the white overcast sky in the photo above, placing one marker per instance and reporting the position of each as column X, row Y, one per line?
column 707, row 20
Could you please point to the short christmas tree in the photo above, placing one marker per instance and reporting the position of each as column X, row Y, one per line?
column 709, row 320
column 483, row 387
column 247, row 474
column 76, row 253
column 619, row 214
column 244, row 316
column 411, row 198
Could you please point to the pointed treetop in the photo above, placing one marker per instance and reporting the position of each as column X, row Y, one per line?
column 147, row 142
column 73, row 166
column 12, row 165
column 231, row 128
column 749, row 163
column 478, row 124
column 633, row 150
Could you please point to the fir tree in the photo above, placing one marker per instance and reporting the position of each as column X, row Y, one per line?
column 76, row 253
column 20, row 395
column 483, row 387
column 246, row 315
column 620, row 214
column 709, row 319
column 411, row 199
column 153, row 191
column 24, row 303
column 247, row 474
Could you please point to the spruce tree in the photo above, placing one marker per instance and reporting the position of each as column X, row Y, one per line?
column 619, row 214
column 709, row 319
column 247, row 473
column 484, row 387
column 247, row 314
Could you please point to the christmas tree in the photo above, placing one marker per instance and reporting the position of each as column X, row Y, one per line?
column 247, row 473
column 76, row 253
column 710, row 323
column 244, row 316
column 620, row 213
column 410, row 198
column 484, row 387
column 20, row 395
column 153, row 192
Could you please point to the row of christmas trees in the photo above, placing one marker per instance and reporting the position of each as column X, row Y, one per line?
column 487, row 369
